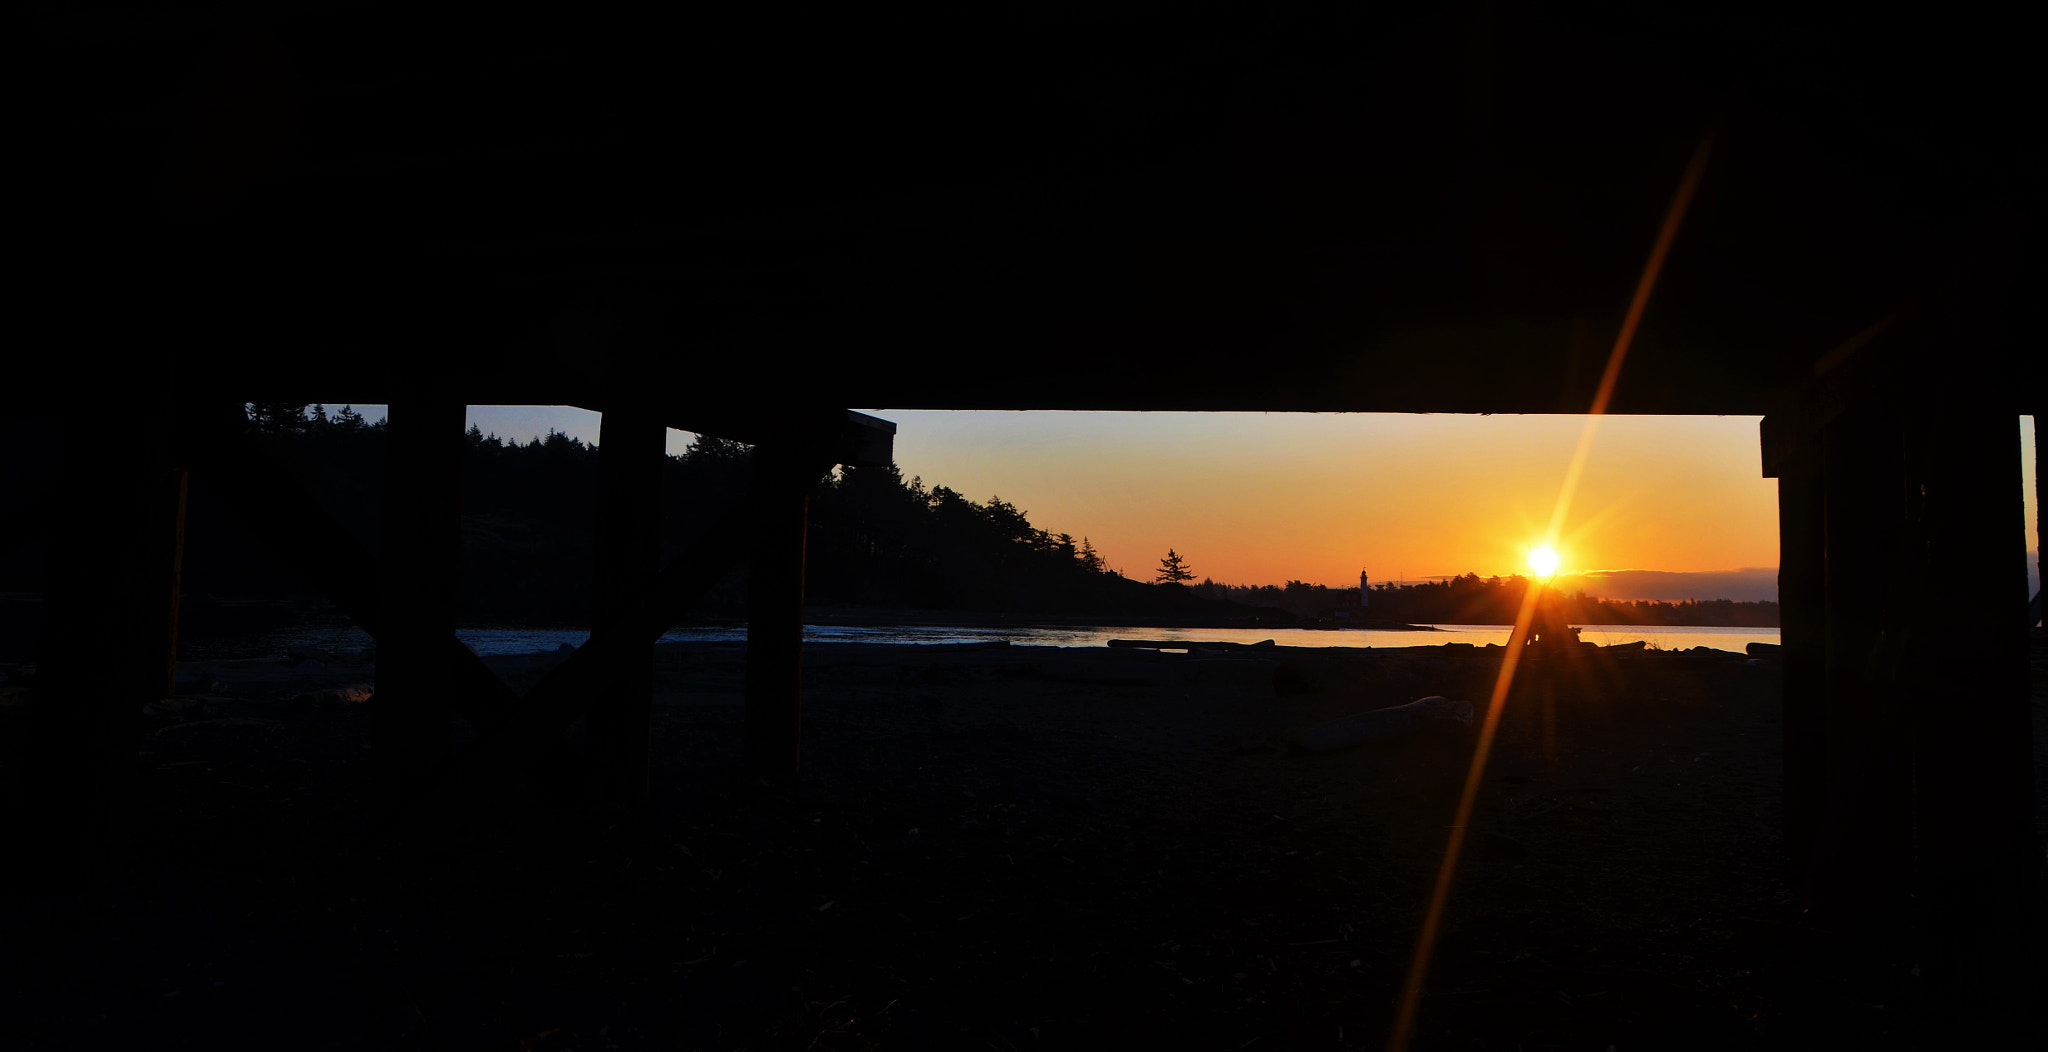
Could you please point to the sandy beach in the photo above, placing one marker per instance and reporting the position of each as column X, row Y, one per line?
column 1003, row 847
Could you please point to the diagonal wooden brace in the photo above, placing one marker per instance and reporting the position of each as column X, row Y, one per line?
column 301, row 531
column 510, row 747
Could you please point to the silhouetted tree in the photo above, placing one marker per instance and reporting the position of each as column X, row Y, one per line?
column 1173, row 570
column 285, row 418
column 528, row 537
column 711, row 447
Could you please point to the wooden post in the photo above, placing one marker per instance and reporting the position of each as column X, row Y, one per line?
column 414, row 705
column 1802, row 601
column 511, row 745
column 101, row 644
column 1979, row 878
column 167, row 562
column 632, row 449
column 775, row 616
column 305, row 535
column 1863, row 857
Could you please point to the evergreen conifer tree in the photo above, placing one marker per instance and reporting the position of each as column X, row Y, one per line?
column 1173, row 569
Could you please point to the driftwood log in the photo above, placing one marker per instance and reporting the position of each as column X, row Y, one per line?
column 1431, row 715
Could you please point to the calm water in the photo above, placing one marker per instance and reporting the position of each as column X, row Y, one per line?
column 530, row 640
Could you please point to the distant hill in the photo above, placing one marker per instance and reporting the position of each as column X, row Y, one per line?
column 1749, row 584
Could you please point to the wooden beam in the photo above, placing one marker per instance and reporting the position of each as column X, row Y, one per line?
column 632, row 450
column 630, row 332
column 775, row 615
column 850, row 437
column 1852, row 374
column 516, row 742
column 1979, row 879
column 414, row 712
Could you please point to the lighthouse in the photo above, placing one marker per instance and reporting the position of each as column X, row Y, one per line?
column 1364, row 596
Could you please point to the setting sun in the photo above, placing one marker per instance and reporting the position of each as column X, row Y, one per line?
column 1543, row 560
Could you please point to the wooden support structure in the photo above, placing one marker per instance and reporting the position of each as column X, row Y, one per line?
column 1908, row 752
column 112, row 550
column 519, row 732
column 775, row 612
column 167, row 563
column 1863, row 860
column 302, row 533
column 632, row 449
column 414, row 709
column 1979, row 868
column 1802, row 604
column 515, row 743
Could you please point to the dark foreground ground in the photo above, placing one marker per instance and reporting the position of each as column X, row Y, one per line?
column 1009, row 849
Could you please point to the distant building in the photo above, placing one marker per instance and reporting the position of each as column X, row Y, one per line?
column 1364, row 593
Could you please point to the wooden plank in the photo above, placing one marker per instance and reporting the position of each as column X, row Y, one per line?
column 1802, row 578
column 412, row 734
column 775, row 618
column 1979, row 867
column 632, row 450
column 852, row 437
column 515, row 743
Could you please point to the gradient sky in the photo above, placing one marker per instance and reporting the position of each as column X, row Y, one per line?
column 1256, row 498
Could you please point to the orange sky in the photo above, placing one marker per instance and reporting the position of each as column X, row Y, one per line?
column 1257, row 498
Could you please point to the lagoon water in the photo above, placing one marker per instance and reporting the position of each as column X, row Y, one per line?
column 531, row 640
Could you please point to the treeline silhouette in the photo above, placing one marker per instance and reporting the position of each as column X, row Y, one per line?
column 528, row 532
column 1469, row 599
column 876, row 540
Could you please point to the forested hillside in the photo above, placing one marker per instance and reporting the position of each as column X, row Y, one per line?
column 876, row 539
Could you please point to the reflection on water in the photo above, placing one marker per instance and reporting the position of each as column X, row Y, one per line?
column 531, row 640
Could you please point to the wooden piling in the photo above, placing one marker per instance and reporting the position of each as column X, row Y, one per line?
column 305, row 535
column 1978, row 874
column 414, row 706
column 632, row 449
column 1802, row 602
column 166, row 562
column 1863, row 857
column 100, row 651
column 513, row 744
column 775, row 616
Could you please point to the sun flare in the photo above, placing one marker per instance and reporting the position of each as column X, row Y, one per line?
column 1543, row 560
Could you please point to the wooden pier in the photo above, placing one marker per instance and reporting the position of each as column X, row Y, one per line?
column 742, row 228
